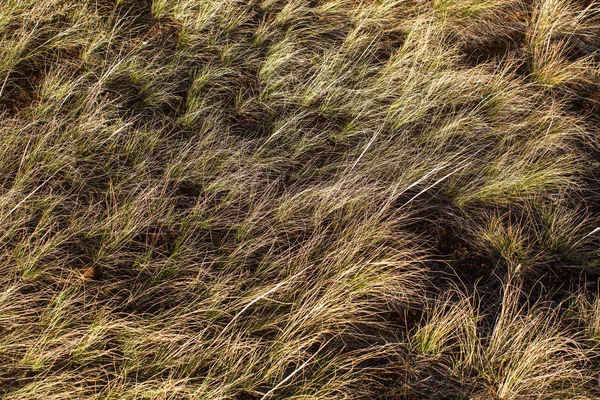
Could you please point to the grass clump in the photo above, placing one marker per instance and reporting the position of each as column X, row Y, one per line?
column 523, row 351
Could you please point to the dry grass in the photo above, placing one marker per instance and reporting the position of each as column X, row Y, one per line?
column 391, row 199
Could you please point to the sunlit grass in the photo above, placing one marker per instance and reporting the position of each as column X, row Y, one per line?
column 263, row 199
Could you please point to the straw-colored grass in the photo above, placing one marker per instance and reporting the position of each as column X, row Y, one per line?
column 223, row 199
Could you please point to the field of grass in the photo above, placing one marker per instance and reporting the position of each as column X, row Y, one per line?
column 294, row 199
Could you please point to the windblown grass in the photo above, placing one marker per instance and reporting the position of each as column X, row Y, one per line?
column 340, row 199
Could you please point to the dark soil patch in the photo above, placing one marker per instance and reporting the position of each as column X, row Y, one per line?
column 132, row 106
column 493, row 48
column 13, row 379
column 463, row 258
column 386, row 47
column 138, row 11
column 428, row 383
column 584, row 100
column 82, row 249
column 20, row 90
column 185, row 194
column 250, row 128
column 454, row 260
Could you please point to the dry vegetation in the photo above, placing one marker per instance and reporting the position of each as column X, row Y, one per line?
column 328, row 199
